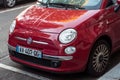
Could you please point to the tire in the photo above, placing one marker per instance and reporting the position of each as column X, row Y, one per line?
column 99, row 58
column 9, row 3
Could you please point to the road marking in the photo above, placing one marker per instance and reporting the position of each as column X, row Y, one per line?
column 13, row 9
column 4, row 57
column 113, row 74
column 10, row 68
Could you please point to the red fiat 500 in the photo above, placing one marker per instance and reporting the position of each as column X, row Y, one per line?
column 66, row 36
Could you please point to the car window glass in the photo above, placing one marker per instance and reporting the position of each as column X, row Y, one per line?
column 87, row 4
column 111, row 2
column 114, row 1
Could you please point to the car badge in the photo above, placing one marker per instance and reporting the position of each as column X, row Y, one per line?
column 29, row 40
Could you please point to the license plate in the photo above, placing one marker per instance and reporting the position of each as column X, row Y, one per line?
column 29, row 51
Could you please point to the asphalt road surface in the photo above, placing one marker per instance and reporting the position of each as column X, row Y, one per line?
column 10, row 70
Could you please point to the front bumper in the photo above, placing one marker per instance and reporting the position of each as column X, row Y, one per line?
column 46, row 60
column 59, row 64
column 59, row 58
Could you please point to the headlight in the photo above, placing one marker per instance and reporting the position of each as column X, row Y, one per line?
column 67, row 36
column 12, row 26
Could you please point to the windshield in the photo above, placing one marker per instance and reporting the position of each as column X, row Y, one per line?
column 83, row 4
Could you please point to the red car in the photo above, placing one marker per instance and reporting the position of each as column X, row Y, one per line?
column 66, row 36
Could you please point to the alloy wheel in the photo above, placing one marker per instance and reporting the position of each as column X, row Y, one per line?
column 99, row 58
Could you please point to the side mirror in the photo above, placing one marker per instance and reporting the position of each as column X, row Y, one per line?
column 118, row 1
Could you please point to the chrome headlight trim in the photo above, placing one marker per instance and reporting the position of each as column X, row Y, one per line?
column 67, row 36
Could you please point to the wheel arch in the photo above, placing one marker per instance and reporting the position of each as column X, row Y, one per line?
column 102, row 37
column 106, row 38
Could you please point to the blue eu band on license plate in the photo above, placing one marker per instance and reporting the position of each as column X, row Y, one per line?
column 29, row 51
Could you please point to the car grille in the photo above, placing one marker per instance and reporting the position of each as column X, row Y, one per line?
column 38, row 61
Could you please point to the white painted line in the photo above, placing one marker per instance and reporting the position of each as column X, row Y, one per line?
column 13, row 9
column 10, row 68
column 113, row 74
column 4, row 57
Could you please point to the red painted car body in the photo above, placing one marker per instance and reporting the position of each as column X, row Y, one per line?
column 44, row 25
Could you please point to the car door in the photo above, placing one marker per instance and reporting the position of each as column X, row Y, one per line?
column 113, row 20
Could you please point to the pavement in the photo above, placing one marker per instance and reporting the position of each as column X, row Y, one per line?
column 113, row 74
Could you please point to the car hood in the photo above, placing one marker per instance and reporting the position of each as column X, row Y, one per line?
column 52, row 20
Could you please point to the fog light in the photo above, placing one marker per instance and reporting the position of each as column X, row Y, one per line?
column 70, row 50
column 55, row 64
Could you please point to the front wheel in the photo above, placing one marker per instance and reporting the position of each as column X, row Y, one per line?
column 99, row 58
column 9, row 3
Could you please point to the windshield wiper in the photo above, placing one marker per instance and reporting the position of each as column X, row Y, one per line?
column 65, row 5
